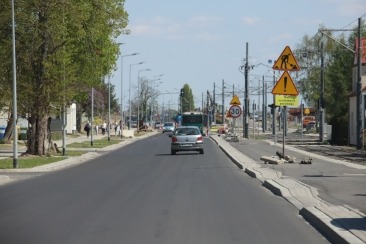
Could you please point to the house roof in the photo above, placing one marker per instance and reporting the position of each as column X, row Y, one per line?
column 363, row 50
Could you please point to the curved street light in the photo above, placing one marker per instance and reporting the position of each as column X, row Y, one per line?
column 127, row 55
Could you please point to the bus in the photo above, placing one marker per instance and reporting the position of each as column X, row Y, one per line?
column 193, row 119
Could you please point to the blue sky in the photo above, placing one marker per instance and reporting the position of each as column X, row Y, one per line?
column 202, row 42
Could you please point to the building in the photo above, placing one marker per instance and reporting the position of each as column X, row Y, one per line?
column 352, row 109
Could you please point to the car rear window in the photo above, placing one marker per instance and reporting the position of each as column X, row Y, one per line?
column 187, row 131
column 168, row 124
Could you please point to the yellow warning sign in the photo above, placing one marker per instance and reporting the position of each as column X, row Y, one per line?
column 285, row 86
column 286, row 61
column 286, row 100
column 307, row 111
column 235, row 100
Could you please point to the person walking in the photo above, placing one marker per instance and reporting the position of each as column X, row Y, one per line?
column 87, row 129
column 104, row 127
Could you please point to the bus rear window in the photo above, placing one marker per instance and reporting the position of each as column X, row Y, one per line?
column 192, row 119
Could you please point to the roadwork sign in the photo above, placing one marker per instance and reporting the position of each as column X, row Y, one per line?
column 286, row 100
column 235, row 100
column 286, row 61
column 285, row 86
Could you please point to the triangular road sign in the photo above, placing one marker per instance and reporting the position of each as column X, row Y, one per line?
column 285, row 86
column 235, row 100
column 286, row 61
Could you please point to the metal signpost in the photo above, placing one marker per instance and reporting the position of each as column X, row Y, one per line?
column 285, row 85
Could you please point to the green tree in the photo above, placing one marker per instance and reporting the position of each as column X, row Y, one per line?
column 187, row 99
column 338, row 64
column 63, row 49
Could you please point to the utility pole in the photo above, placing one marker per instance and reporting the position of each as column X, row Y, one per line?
column 214, row 105
column 246, row 98
column 223, row 102
column 321, row 99
column 360, row 119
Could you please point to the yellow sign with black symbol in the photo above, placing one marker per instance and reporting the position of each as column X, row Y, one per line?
column 286, row 61
column 285, row 86
column 235, row 100
column 286, row 100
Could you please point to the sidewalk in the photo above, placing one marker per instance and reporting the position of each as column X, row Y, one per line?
column 341, row 224
column 6, row 175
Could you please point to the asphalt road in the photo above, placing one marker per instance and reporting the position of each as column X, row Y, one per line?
column 338, row 183
column 142, row 194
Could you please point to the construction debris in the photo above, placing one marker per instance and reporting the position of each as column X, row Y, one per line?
column 306, row 160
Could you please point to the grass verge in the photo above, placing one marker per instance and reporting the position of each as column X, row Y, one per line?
column 96, row 143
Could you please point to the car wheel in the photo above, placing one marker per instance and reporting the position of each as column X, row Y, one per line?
column 201, row 151
column 172, row 152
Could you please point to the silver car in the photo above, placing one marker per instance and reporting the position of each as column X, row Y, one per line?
column 168, row 127
column 186, row 138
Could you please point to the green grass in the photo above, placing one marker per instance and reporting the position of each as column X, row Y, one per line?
column 96, row 143
column 29, row 162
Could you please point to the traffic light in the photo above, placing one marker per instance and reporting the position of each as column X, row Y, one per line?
column 273, row 107
column 181, row 92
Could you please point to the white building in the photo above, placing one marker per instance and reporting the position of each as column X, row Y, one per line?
column 352, row 130
column 71, row 119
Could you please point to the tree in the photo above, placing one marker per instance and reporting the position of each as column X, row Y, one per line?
column 63, row 49
column 187, row 101
column 338, row 62
column 145, row 96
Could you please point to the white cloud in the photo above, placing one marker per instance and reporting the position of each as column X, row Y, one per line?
column 249, row 20
column 168, row 29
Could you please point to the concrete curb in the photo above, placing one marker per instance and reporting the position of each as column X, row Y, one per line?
column 337, row 223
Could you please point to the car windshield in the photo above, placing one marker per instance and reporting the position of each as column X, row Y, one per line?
column 168, row 124
column 187, row 131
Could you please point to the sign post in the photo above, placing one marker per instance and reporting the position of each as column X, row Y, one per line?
column 285, row 85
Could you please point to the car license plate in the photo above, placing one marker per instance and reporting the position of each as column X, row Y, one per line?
column 186, row 145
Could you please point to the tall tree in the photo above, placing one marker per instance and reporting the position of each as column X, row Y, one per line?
column 338, row 64
column 63, row 49
column 187, row 99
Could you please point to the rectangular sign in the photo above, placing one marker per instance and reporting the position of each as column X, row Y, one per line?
column 287, row 100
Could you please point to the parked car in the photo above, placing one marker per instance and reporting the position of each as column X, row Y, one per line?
column 310, row 125
column 186, row 138
column 157, row 125
column 306, row 120
column 168, row 127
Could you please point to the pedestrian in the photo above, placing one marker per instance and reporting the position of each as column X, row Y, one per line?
column 87, row 129
column 96, row 129
column 104, row 127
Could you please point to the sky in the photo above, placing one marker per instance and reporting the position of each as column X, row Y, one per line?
column 203, row 42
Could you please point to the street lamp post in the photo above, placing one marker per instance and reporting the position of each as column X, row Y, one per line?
column 127, row 55
column 129, row 95
column 109, row 108
column 15, row 109
column 138, row 94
